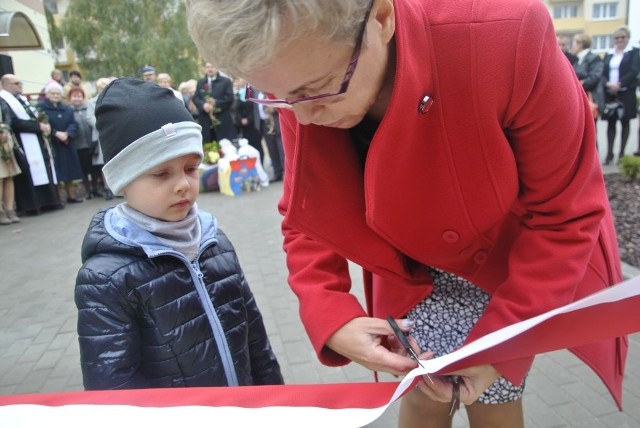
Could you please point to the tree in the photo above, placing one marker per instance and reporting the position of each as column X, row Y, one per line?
column 117, row 38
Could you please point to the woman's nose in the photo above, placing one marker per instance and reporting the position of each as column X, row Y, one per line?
column 306, row 113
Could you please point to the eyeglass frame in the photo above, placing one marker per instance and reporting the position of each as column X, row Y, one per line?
column 344, row 86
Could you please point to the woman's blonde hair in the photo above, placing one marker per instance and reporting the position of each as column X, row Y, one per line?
column 583, row 39
column 624, row 29
column 239, row 36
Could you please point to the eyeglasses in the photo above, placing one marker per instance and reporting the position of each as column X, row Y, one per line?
column 353, row 62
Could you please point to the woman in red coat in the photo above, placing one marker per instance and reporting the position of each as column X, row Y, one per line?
column 426, row 142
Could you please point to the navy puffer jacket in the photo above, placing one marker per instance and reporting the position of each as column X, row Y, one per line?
column 148, row 318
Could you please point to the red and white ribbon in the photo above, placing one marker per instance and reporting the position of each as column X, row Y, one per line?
column 330, row 405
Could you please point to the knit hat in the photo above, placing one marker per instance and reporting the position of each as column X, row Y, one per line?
column 141, row 126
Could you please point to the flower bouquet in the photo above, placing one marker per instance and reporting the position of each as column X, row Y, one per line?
column 208, row 98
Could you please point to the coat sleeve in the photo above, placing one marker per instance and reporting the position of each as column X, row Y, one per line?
column 225, row 100
column 594, row 74
column 108, row 334
column 562, row 194
column 197, row 98
column 317, row 275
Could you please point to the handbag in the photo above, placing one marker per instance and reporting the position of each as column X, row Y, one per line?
column 613, row 110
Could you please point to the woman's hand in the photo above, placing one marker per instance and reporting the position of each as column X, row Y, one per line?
column 613, row 87
column 473, row 382
column 62, row 136
column 361, row 340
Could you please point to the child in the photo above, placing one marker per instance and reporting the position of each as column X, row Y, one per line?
column 162, row 300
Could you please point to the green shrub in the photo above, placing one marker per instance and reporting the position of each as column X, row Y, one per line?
column 630, row 167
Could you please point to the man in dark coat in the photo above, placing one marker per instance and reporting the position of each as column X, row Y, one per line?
column 36, row 187
column 213, row 97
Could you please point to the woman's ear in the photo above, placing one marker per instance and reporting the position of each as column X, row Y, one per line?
column 384, row 14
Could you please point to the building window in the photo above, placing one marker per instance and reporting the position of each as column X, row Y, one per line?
column 51, row 6
column 605, row 10
column 601, row 43
column 565, row 11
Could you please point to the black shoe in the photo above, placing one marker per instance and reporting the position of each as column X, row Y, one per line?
column 74, row 200
column 608, row 159
column 97, row 193
column 108, row 195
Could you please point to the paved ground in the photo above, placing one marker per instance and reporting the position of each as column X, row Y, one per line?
column 39, row 259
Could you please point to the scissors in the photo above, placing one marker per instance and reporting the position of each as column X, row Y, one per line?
column 405, row 343
column 455, row 380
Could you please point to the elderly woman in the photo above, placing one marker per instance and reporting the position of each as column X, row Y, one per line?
column 63, row 131
column 621, row 68
column 426, row 142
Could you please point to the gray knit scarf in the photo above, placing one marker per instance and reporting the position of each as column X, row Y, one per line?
column 182, row 236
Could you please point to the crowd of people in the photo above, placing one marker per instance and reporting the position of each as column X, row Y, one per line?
column 611, row 83
column 50, row 146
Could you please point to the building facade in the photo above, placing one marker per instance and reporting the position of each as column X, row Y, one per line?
column 597, row 18
column 32, row 66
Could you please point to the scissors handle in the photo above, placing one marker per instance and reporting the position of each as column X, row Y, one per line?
column 399, row 334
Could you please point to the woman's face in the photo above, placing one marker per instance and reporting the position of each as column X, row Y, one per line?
column 309, row 66
column 54, row 95
column 620, row 40
column 576, row 46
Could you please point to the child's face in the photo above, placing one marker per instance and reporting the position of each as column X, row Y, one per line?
column 168, row 191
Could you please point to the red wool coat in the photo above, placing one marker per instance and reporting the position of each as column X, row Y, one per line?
column 498, row 182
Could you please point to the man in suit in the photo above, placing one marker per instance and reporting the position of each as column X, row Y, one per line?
column 213, row 98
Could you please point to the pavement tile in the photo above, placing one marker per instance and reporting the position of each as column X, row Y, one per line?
column 39, row 350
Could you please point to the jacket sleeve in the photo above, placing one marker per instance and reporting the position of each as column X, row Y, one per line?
column 317, row 275
column 226, row 98
column 72, row 127
column 108, row 334
column 629, row 78
column 562, row 193
column 594, row 74
column 197, row 98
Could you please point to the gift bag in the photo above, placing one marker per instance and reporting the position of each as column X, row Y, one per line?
column 244, row 176
column 238, row 177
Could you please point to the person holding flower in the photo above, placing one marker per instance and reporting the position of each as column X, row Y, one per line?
column 35, row 188
column 213, row 98
column 8, row 169
column 63, row 132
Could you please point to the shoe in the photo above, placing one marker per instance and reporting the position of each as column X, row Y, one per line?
column 108, row 195
column 608, row 159
column 97, row 193
column 4, row 220
column 74, row 200
column 89, row 196
column 13, row 217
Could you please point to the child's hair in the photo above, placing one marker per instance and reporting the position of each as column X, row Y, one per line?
column 141, row 126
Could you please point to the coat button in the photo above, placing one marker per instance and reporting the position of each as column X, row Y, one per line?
column 425, row 104
column 480, row 257
column 450, row 236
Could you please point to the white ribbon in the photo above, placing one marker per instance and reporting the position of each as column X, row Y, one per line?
column 280, row 414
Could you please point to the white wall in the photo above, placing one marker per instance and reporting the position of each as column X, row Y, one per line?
column 634, row 22
column 32, row 66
